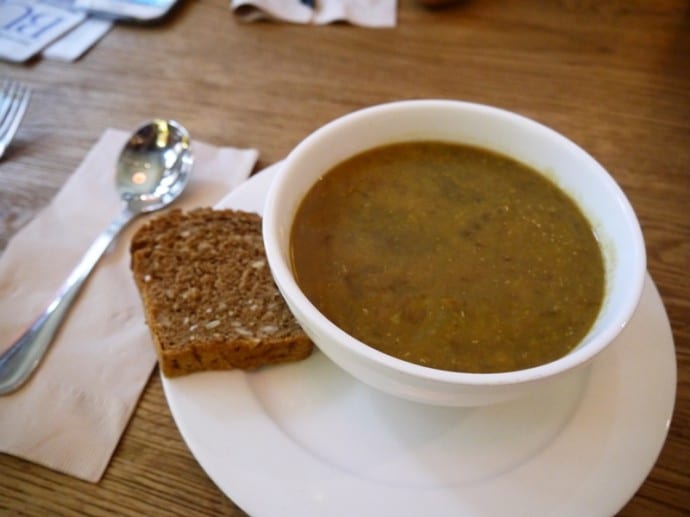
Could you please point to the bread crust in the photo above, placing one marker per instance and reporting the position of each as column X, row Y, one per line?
column 208, row 295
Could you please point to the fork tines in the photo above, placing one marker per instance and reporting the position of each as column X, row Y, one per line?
column 14, row 98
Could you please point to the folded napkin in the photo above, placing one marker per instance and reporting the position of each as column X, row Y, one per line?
column 71, row 413
column 368, row 13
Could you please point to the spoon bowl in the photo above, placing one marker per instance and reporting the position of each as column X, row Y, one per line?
column 152, row 171
column 154, row 166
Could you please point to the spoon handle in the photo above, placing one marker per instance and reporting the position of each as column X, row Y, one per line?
column 20, row 360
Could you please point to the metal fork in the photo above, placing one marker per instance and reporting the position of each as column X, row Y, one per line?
column 14, row 98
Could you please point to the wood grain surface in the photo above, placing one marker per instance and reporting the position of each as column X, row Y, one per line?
column 614, row 76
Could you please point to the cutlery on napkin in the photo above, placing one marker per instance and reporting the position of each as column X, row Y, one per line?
column 71, row 413
column 367, row 13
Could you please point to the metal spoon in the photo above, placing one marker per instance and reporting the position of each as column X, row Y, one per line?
column 152, row 171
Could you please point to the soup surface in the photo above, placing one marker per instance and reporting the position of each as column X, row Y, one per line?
column 449, row 256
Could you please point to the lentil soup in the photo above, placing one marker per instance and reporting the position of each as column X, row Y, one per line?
column 449, row 256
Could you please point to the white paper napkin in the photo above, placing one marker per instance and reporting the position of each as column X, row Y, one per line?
column 76, row 42
column 368, row 13
column 72, row 412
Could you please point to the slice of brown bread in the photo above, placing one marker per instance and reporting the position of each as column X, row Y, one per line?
column 208, row 294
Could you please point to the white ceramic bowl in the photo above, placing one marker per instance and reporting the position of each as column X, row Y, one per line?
column 575, row 171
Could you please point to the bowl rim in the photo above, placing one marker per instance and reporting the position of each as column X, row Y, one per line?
column 304, row 308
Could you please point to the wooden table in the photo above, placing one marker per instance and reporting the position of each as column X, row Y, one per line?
column 614, row 76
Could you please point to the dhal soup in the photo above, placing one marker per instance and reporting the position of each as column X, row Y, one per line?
column 449, row 256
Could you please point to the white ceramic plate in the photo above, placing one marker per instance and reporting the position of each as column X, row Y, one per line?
column 307, row 439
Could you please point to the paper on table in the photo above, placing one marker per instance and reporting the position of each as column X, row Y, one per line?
column 27, row 26
column 368, row 13
column 76, row 42
column 72, row 412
